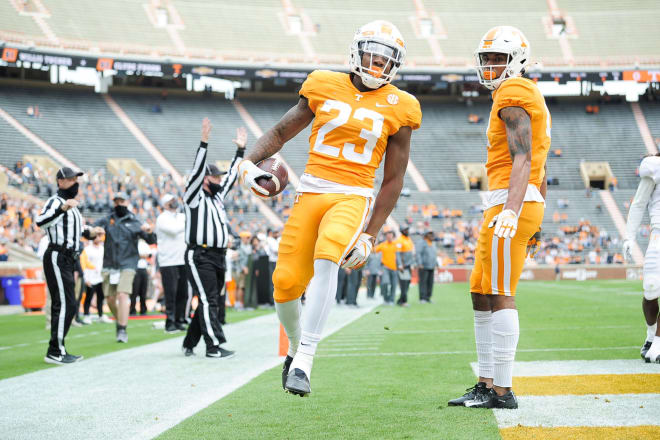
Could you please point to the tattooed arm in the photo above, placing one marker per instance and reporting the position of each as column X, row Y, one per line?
column 519, row 138
column 292, row 123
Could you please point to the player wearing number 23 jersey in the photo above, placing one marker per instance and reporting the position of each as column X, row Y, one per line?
column 359, row 120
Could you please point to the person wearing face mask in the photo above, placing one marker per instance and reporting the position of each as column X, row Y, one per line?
column 170, row 231
column 63, row 224
column 120, row 258
column 207, row 236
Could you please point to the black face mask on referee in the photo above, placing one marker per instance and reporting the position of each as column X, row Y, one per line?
column 68, row 193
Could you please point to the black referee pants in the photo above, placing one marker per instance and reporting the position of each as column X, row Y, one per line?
column 206, row 273
column 175, row 285
column 58, row 269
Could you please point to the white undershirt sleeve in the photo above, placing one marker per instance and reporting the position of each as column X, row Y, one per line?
column 638, row 205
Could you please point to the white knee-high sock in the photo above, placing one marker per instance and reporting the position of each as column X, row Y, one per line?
column 320, row 298
column 483, row 339
column 505, row 340
column 289, row 315
column 650, row 331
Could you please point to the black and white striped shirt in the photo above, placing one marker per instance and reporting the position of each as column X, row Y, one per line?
column 64, row 228
column 206, row 220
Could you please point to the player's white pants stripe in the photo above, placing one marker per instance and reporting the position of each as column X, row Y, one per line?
column 358, row 231
column 188, row 301
column 494, row 268
column 507, row 266
column 202, row 297
column 60, row 288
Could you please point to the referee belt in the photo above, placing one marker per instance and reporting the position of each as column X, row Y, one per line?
column 66, row 251
column 205, row 248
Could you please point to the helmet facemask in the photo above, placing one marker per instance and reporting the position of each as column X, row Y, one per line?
column 374, row 76
column 487, row 73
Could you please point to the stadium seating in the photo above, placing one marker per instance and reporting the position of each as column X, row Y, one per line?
column 11, row 21
column 14, row 145
column 118, row 21
column 256, row 29
column 176, row 129
column 652, row 113
column 237, row 28
column 76, row 122
column 601, row 24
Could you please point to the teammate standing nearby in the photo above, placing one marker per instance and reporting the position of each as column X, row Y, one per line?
column 647, row 194
column 358, row 118
column 63, row 224
column 518, row 143
column 207, row 236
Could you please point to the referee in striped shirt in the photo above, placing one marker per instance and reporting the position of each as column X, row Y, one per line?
column 61, row 220
column 207, row 237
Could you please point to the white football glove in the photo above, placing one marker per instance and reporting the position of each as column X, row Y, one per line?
column 626, row 247
column 248, row 174
column 506, row 224
column 360, row 252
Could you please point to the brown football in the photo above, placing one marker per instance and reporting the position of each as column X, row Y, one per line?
column 280, row 178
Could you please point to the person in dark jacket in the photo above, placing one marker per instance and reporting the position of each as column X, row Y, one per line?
column 120, row 258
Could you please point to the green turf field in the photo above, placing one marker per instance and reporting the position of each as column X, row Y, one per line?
column 389, row 374
column 24, row 339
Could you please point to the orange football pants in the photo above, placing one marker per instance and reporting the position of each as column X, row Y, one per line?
column 321, row 226
column 498, row 263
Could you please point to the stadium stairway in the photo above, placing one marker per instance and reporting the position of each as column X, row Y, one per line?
column 77, row 123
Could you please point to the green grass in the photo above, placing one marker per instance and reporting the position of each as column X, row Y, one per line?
column 405, row 396
column 27, row 338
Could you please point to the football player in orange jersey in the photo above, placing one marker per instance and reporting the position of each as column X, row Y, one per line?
column 358, row 118
column 518, row 143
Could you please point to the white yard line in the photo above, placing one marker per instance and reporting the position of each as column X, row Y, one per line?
column 441, row 353
column 568, row 368
column 140, row 392
column 587, row 410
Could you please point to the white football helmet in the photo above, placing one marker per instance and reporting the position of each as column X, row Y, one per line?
column 507, row 40
column 378, row 38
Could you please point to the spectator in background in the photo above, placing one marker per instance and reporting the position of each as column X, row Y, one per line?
column 427, row 259
column 120, row 258
column 244, row 253
column 387, row 249
column 372, row 270
column 91, row 261
column 272, row 246
column 141, row 280
column 170, row 233
column 405, row 263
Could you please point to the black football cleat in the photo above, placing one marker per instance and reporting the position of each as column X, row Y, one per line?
column 187, row 351
column 285, row 370
column 59, row 359
column 492, row 400
column 644, row 350
column 219, row 353
column 479, row 388
column 297, row 383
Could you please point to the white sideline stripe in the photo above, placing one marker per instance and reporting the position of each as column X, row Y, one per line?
column 322, row 350
column 587, row 410
column 140, row 392
column 441, row 353
column 569, row 368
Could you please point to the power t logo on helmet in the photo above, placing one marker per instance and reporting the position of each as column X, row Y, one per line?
column 382, row 41
column 505, row 40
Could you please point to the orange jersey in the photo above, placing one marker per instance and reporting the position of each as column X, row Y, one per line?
column 388, row 249
column 523, row 93
column 351, row 128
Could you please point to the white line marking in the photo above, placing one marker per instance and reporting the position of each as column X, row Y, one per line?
column 588, row 410
column 567, row 368
column 321, row 350
column 254, row 339
column 441, row 353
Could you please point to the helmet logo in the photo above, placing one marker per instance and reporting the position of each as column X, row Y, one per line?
column 386, row 29
column 392, row 99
